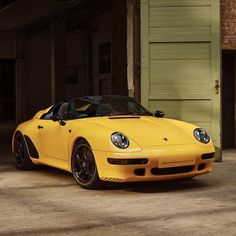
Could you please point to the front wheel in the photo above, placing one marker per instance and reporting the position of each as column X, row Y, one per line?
column 84, row 168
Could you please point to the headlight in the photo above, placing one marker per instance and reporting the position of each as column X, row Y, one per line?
column 201, row 135
column 120, row 140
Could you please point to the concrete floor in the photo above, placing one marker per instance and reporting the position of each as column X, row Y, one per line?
column 49, row 202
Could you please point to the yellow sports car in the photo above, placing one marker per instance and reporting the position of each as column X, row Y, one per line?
column 104, row 139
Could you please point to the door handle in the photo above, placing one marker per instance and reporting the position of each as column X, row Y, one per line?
column 217, row 86
column 40, row 127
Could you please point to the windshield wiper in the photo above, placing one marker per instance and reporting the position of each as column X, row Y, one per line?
column 121, row 114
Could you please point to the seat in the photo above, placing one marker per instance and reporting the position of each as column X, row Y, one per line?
column 72, row 113
column 104, row 110
column 63, row 111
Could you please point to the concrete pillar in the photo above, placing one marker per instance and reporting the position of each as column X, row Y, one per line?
column 20, row 76
column 130, row 47
column 133, row 48
column 136, row 45
column 89, row 64
column 119, row 48
column 58, row 82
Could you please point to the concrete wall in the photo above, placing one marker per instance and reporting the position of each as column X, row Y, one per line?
column 108, row 27
column 119, row 40
column 111, row 28
column 228, row 28
column 7, row 45
column 38, row 72
column 76, row 59
column 38, row 57
column 102, row 25
column 7, row 84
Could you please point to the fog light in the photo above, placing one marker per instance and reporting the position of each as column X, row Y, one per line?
column 139, row 172
column 201, row 167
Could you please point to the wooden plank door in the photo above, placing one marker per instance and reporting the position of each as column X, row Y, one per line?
column 180, row 61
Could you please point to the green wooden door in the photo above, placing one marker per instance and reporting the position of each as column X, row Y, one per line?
column 180, row 61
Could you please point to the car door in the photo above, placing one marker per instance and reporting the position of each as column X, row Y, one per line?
column 53, row 137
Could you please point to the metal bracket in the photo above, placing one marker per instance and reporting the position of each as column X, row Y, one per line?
column 217, row 86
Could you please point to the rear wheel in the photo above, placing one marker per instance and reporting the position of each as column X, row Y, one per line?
column 21, row 156
column 84, row 168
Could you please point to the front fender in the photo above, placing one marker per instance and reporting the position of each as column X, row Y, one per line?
column 99, row 138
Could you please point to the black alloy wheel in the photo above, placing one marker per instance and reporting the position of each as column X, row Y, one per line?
column 21, row 155
column 84, row 167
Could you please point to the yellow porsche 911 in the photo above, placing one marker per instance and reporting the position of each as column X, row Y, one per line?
column 104, row 139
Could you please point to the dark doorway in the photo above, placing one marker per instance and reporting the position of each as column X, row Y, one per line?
column 228, row 99
column 7, row 90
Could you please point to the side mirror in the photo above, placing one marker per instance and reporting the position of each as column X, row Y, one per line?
column 159, row 114
column 56, row 117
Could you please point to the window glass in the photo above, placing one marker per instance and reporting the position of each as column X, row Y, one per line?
column 53, row 110
column 104, row 106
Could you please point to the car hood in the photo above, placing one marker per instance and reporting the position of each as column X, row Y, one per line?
column 147, row 131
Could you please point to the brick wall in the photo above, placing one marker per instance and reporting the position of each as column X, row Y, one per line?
column 228, row 24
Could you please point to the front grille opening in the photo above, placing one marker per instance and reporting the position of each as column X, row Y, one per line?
column 139, row 172
column 201, row 167
column 140, row 161
column 208, row 156
column 172, row 170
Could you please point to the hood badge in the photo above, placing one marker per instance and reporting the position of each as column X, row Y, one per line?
column 165, row 139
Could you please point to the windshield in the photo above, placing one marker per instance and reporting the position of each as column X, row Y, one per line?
column 104, row 106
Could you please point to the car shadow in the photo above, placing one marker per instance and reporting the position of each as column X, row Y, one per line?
column 160, row 186
column 137, row 187
column 140, row 187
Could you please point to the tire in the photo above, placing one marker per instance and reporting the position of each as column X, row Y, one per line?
column 21, row 156
column 84, row 167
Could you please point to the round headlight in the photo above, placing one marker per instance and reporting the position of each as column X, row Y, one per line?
column 201, row 135
column 120, row 140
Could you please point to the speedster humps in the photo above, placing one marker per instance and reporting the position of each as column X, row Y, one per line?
column 101, row 139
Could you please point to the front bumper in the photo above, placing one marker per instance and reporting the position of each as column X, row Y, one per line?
column 164, row 163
